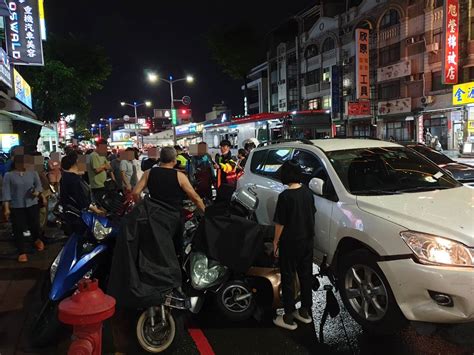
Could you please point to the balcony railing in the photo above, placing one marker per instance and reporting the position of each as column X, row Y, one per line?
column 389, row 33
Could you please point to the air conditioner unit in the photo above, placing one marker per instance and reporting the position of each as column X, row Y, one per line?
column 432, row 47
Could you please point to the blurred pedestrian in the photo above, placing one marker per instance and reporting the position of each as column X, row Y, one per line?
column 45, row 194
column 242, row 159
column 127, row 170
column 152, row 159
column 115, row 166
column 21, row 190
column 97, row 170
column 54, row 169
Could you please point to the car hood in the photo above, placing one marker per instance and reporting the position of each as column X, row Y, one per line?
column 447, row 213
column 460, row 172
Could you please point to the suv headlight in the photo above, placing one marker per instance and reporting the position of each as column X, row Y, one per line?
column 101, row 232
column 434, row 250
column 54, row 266
column 205, row 274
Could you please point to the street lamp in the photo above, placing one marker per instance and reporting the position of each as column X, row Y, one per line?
column 135, row 106
column 153, row 78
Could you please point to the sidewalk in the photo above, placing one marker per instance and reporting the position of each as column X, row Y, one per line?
column 17, row 292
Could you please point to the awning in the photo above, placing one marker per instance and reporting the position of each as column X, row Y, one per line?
column 16, row 117
column 4, row 10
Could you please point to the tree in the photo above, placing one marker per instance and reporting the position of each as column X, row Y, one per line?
column 237, row 49
column 73, row 70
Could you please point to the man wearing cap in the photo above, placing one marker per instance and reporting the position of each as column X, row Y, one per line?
column 224, row 162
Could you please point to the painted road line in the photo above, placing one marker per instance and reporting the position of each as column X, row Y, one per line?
column 201, row 341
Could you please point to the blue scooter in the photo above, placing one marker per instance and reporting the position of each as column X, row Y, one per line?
column 86, row 254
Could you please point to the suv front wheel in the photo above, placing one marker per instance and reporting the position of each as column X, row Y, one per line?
column 367, row 295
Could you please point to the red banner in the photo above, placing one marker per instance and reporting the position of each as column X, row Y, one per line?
column 451, row 42
column 361, row 108
column 62, row 126
column 362, row 64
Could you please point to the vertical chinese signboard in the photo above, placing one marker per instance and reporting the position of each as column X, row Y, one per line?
column 362, row 64
column 335, row 92
column 451, row 42
column 24, row 33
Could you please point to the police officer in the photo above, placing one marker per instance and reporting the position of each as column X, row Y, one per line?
column 225, row 163
column 182, row 158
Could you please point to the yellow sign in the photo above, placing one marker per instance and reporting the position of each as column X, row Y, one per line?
column 463, row 94
column 42, row 19
column 470, row 126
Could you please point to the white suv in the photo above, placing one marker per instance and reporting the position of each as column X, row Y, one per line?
column 396, row 230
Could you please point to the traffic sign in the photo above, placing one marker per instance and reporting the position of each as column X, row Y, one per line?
column 186, row 100
column 174, row 117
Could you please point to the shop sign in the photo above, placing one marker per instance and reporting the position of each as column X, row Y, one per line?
column 24, row 33
column 132, row 126
column 335, row 92
column 62, row 127
column 42, row 19
column 463, row 94
column 362, row 64
column 451, row 42
column 394, row 71
column 190, row 128
column 5, row 69
column 361, row 108
column 7, row 141
column 394, row 107
column 470, row 126
column 421, row 128
column 22, row 89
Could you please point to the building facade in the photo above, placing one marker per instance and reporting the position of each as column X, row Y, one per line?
column 312, row 63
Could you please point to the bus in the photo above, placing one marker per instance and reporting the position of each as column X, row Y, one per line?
column 269, row 126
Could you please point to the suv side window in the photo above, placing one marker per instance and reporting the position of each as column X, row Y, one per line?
column 313, row 168
column 269, row 162
column 258, row 160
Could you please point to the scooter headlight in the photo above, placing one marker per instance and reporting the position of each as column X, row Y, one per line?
column 54, row 266
column 205, row 273
column 101, row 232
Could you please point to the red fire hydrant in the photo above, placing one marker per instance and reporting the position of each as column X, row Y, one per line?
column 85, row 310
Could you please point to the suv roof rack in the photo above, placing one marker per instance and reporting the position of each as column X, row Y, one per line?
column 304, row 141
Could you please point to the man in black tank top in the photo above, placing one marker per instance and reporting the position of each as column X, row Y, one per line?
column 167, row 184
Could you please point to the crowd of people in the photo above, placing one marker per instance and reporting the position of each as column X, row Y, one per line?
column 168, row 175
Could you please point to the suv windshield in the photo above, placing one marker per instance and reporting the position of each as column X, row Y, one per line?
column 384, row 171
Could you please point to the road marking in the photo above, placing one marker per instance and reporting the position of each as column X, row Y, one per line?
column 201, row 341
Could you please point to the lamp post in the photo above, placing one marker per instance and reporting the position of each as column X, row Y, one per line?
column 153, row 78
column 135, row 106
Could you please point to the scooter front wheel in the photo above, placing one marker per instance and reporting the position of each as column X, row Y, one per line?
column 236, row 301
column 158, row 335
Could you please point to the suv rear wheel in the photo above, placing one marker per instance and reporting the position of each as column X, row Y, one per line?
column 367, row 295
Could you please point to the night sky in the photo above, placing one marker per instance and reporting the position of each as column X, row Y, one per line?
column 165, row 36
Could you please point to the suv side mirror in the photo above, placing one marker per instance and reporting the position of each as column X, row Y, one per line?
column 316, row 185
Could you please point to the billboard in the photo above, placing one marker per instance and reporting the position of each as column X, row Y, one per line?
column 362, row 64
column 24, row 33
column 335, row 92
column 463, row 94
column 5, row 69
column 7, row 141
column 361, row 108
column 451, row 42
column 22, row 89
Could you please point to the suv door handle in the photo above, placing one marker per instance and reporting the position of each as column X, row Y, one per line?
column 251, row 189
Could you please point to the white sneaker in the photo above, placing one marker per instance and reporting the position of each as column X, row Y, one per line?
column 304, row 320
column 278, row 321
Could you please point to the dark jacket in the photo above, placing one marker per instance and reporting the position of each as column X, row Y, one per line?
column 145, row 265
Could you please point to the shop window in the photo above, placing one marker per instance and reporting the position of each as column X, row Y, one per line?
column 361, row 131
column 327, row 75
column 312, row 77
column 400, row 131
column 326, row 102
column 436, row 83
column 389, row 91
column 390, row 54
column 340, row 130
column 438, row 3
column 328, row 45
column 391, row 18
column 313, row 104
column 311, row 51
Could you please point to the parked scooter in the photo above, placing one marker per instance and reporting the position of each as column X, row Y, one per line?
column 86, row 254
column 235, row 295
